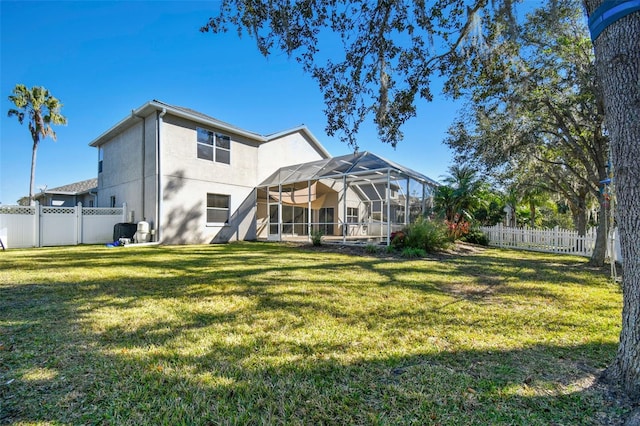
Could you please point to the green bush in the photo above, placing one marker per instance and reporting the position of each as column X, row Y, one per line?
column 316, row 238
column 412, row 253
column 397, row 239
column 371, row 248
column 476, row 236
column 427, row 235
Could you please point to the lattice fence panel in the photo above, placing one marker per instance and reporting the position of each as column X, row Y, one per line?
column 101, row 211
column 58, row 210
column 17, row 210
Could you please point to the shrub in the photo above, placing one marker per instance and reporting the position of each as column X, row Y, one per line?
column 427, row 235
column 457, row 229
column 316, row 238
column 412, row 253
column 371, row 249
column 397, row 239
column 476, row 236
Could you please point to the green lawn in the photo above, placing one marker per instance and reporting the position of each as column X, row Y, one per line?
column 258, row 333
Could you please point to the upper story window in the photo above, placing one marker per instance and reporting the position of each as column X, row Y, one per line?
column 100, row 158
column 213, row 146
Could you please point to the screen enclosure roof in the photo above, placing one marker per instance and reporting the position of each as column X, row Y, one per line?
column 357, row 166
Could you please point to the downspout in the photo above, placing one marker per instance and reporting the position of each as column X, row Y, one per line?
column 310, row 231
column 407, row 204
column 160, row 191
column 144, row 144
column 388, row 207
column 279, row 211
column 95, row 197
column 345, row 228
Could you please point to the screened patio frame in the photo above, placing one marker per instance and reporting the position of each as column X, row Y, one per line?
column 352, row 198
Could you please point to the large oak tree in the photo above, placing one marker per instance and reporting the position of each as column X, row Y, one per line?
column 535, row 108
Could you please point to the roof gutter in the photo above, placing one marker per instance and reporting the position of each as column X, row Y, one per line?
column 98, row 141
column 159, row 106
column 216, row 124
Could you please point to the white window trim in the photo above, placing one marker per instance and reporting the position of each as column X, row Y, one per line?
column 214, row 146
column 228, row 209
column 351, row 218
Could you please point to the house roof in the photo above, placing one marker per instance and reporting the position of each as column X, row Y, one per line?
column 193, row 114
column 190, row 114
column 353, row 166
column 75, row 188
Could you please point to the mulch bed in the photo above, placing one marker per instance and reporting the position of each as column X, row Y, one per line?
column 458, row 249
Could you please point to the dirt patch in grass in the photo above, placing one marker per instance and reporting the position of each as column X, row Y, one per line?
column 458, row 249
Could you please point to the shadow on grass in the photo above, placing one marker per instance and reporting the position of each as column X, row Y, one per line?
column 254, row 334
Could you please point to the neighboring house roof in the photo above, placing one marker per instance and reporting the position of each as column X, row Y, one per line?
column 358, row 164
column 199, row 117
column 75, row 188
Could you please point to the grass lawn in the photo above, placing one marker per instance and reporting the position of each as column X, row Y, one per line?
column 258, row 333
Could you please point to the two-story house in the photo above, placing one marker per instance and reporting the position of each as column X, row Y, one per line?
column 196, row 179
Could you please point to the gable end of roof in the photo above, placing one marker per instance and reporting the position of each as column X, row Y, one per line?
column 190, row 114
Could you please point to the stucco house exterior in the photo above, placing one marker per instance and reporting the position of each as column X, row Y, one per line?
column 196, row 179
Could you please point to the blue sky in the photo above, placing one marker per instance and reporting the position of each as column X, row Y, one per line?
column 103, row 59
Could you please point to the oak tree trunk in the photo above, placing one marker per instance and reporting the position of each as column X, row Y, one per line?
column 600, row 248
column 578, row 206
column 617, row 53
column 532, row 209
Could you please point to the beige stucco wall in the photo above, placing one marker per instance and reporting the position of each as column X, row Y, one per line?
column 187, row 179
column 120, row 176
column 180, row 159
column 293, row 148
column 127, row 165
column 184, row 213
column 129, row 173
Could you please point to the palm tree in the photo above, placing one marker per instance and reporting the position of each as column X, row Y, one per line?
column 465, row 190
column 41, row 110
column 445, row 202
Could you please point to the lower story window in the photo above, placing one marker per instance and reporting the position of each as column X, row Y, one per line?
column 217, row 208
column 352, row 215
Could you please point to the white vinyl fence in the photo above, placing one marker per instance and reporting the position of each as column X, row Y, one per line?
column 40, row 226
column 554, row 240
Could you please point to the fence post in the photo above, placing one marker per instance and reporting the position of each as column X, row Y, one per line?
column 79, row 223
column 124, row 212
column 37, row 218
